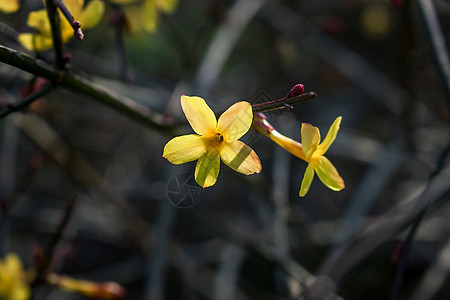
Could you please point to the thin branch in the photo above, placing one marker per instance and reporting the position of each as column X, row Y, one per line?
column 26, row 101
column 76, row 25
column 118, row 22
column 283, row 103
column 85, row 86
column 55, row 25
column 54, row 240
column 437, row 41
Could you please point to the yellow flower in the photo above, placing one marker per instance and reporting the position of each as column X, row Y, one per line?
column 310, row 151
column 9, row 6
column 214, row 140
column 316, row 161
column 42, row 39
column 13, row 279
column 143, row 15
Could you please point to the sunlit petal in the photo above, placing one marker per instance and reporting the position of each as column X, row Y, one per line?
column 199, row 115
column 124, row 1
column 39, row 20
column 327, row 173
column 75, row 7
column 185, row 148
column 92, row 14
column 240, row 157
column 235, row 121
column 21, row 291
column 310, row 139
column 149, row 16
column 331, row 136
column 9, row 6
column 166, row 5
column 207, row 168
column 35, row 42
column 289, row 144
column 307, row 179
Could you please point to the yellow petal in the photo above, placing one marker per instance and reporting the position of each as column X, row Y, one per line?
column 235, row 121
column 75, row 7
column 240, row 157
column 92, row 14
column 149, row 16
column 327, row 173
column 207, row 168
column 124, row 1
column 289, row 144
column 133, row 24
column 9, row 6
column 185, row 148
column 310, row 139
column 166, row 5
column 199, row 115
column 331, row 136
column 307, row 179
column 21, row 291
column 35, row 42
column 39, row 20
column 13, row 264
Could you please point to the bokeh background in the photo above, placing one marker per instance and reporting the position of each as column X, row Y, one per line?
column 247, row 237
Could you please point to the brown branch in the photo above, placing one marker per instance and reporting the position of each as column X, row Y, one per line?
column 55, row 25
column 85, row 86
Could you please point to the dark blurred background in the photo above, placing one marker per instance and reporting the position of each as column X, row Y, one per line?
column 247, row 237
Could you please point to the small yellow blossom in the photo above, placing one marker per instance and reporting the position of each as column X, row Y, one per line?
column 310, row 151
column 215, row 140
column 13, row 279
column 144, row 15
column 316, row 161
column 9, row 6
column 41, row 39
column 96, row 290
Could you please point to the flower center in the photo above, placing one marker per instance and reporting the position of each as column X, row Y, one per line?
column 216, row 139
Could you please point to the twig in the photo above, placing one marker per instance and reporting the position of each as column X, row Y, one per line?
column 85, row 86
column 56, row 237
column 76, row 25
column 118, row 22
column 437, row 41
column 26, row 101
column 283, row 103
column 55, row 25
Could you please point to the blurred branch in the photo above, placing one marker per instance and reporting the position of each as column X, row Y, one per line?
column 437, row 42
column 223, row 43
column 394, row 222
column 55, row 26
column 227, row 276
column 26, row 101
column 44, row 265
column 8, row 31
column 85, row 86
column 434, row 277
column 351, row 64
column 85, row 175
column 407, row 243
